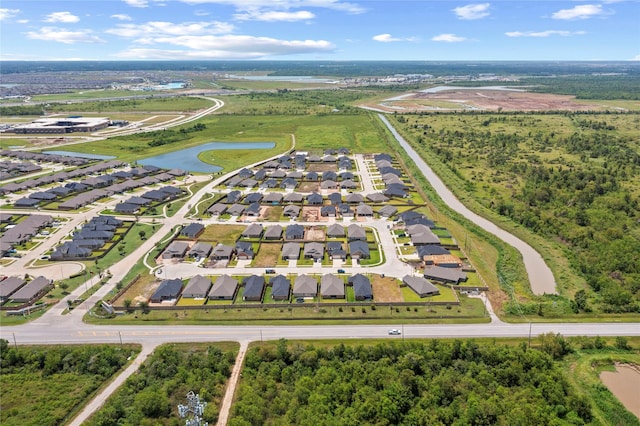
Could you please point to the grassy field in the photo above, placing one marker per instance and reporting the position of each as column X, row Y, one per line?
column 223, row 234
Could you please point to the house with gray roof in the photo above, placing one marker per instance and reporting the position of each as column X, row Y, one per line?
column 217, row 209
column 200, row 250
column 192, row 230
column 305, row 286
column 10, row 285
column 254, row 197
column 233, row 197
column 252, row 210
column 70, row 250
column 422, row 235
column 335, row 198
column 292, row 211
column 254, row 230
column 293, row 197
column 244, row 250
column 273, row 232
column 328, row 211
column 387, row 211
column 354, row 198
column 168, row 290
column 269, row 183
column 314, row 199
column 335, row 231
column 314, row 250
column 331, row 287
column 445, row 275
column 356, row 232
column 280, row 287
column 420, row 286
column 364, row 210
column 361, row 287
column 290, row 251
column 273, row 198
column 359, row 249
column 335, row 250
column 32, row 290
column 175, row 250
column 222, row 252
column 236, row 210
column 253, row 288
column 224, row 288
column 328, row 184
column 294, row 232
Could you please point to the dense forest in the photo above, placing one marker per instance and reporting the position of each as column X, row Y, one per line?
column 571, row 178
column 151, row 396
column 437, row 383
column 52, row 381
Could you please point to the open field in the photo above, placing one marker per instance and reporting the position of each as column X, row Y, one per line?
column 222, row 234
column 492, row 100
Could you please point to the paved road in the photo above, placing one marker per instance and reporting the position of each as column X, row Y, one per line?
column 540, row 275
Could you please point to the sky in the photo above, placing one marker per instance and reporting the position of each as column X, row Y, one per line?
column 319, row 30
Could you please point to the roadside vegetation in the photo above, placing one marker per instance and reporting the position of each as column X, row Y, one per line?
column 47, row 385
column 424, row 382
column 151, row 396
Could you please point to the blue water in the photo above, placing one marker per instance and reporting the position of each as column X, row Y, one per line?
column 187, row 159
column 292, row 78
column 81, row 155
column 169, row 86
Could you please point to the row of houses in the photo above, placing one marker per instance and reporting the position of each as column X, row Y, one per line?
column 153, row 196
column 13, row 169
column 60, row 176
column 297, row 232
column 90, row 237
column 20, row 290
column 68, row 160
column 226, row 287
column 391, row 177
column 22, row 230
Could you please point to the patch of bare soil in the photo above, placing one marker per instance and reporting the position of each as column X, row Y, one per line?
column 488, row 100
column 386, row 289
column 322, row 167
column 310, row 214
column 314, row 234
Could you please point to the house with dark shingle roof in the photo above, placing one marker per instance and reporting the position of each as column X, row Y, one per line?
column 200, row 250
column 356, row 232
column 359, row 250
column 167, row 290
column 314, row 199
column 253, row 288
column 280, row 287
column 314, row 250
column 233, row 197
column 175, row 250
column 222, row 252
column 244, row 250
column 294, row 232
column 273, row 232
column 292, row 211
column 445, row 275
column 192, row 230
column 361, row 287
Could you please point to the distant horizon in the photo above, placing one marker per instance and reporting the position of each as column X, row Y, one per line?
column 335, row 30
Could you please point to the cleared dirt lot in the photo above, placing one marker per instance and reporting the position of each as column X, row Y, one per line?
column 386, row 289
column 482, row 99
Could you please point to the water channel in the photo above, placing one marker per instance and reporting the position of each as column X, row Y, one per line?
column 624, row 383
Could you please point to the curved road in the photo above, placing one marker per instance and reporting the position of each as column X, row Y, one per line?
column 540, row 276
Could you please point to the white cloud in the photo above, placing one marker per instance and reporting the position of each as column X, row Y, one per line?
column 227, row 47
column 62, row 35
column 636, row 58
column 583, row 11
column 122, row 17
column 162, row 29
column 387, row 38
column 137, row 3
column 546, row 33
column 253, row 5
column 275, row 16
column 449, row 38
column 8, row 13
column 472, row 11
column 63, row 17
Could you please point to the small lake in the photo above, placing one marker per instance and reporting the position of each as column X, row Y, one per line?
column 291, row 78
column 171, row 86
column 81, row 155
column 624, row 383
column 187, row 159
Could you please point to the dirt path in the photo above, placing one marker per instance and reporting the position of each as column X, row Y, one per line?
column 225, row 409
column 99, row 400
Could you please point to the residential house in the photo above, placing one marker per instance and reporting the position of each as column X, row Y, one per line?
column 222, row 252
column 420, row 286
column 354, row 198
column 294, row 232
column 312, row 176
column 289, row 183
column 175, row 250
column 422, row 235
column 291, row 211
column 197, row 288
column 253, row 288
column 305, row 286
column 126, row 208
column 329, row 184
column 32, row 290
column 254, row 230
column 314, row 250
column 290, row 251
column 254, row 197
column 273, row 232
column 224, row 288
column 273, row 198
column 236, row 210
column 335, row 231
column 244, row 250
column 335, row 250
column 293, row 197
column 269, row 183
column 361, row 287
column 445, row 275
column 167, row 290
column 8, row 286
column 359, row 250
column 233, row 197
column 314, row 199
column 200, row 250
column 252, row 210
column 387, row 211
column 192, row 230
column 217, row 209
column 364, row 210
column 329, row 175
column 356, row 232
column 280, row 287
column 331, row 287
column 335, row 198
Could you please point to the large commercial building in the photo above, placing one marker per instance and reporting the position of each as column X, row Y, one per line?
column 63, row 125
